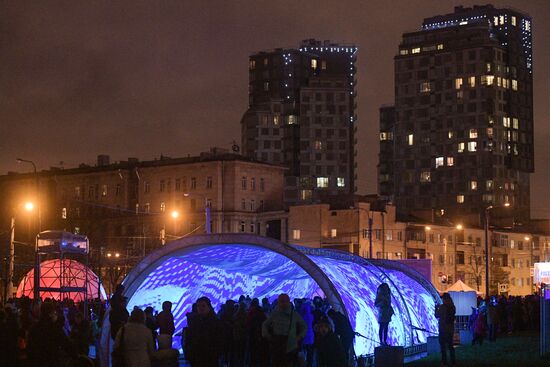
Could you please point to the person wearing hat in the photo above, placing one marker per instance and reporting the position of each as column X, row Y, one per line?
column 284, row 329
column 330, row 352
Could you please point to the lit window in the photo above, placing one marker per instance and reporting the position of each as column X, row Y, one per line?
column 458, row 83
column 488, row 198
column 473, row 185
column 527, row 25
column 318, row 145
column 439, row 161
column 473, row 133
column 410, row 139
column 425, row 176
column 487, row 79
column 440, row 46
column 162, row 206
column 276, row 120
column 340, row 182
column 514, row 84
column 499, row 81
column 64, row 213
column 495, row 20
column 451, row 134
column 295, row 234
column 472, row 146
column 313, row 64
column 515, row 123
column 490, row 132
column 385, row 136
column 305, row 195
column 505, row 83
column 488, row 67
column 322, row 182
column 450, row 161
column 472, row 81
column 501, row 18
column 252, row 64
column 403, row 52
column 104, row 190
column 323, row 65
column 333, row 232
column 415, row 50
column 425, row 87
column 461, row 147
column 460, row 199
column 292, row 119
column 513, row 20
column 506, row 121
column 489, row 185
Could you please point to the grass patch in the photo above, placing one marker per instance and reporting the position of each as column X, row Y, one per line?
column 517, row 350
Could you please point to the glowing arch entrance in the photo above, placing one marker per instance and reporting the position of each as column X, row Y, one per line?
column 226, row 266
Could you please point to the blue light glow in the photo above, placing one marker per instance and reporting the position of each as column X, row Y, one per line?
column 226, row 271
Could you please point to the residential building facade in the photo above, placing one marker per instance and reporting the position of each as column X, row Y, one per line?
column 133, row 207
column 462, row 133
column 455, row 252
column 301, row 114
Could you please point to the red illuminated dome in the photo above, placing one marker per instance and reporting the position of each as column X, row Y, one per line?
column 68, row 274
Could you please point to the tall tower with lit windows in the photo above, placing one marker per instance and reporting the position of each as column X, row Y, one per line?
column 461, row 136
column 301, row 114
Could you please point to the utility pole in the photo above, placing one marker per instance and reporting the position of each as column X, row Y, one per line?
column 9, row 282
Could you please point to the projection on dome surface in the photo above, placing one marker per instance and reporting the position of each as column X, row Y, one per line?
column 227, row 271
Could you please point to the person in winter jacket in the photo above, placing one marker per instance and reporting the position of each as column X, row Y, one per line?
column 135, row 339
column 306, row 313
column 446, row 317
column 330, row 352
column 202, row 342
column 385, row 311
column 165, row 320
column 284, row 329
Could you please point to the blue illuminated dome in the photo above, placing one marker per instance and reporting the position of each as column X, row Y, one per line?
column 226, row 266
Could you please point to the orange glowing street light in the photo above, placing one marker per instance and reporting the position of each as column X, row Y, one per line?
column 29, row 206
column 175, row 214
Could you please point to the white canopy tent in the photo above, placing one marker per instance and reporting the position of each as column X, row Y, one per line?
column 464, row 297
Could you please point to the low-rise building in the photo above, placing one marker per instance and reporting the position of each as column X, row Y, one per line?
column 366, row 225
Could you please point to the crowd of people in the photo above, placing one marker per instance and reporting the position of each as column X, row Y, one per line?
column 248, row 332
column 48, row 333
column 503, row 315
column 241, row 333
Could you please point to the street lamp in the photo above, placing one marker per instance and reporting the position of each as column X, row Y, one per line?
column 487, row 255
column 36, row 256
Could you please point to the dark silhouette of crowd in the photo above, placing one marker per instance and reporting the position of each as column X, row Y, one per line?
column 49, row 333
column 503, row 315
column 243, row 333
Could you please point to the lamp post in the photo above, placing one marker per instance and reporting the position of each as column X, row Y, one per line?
column 487, row 255
column 36, row 292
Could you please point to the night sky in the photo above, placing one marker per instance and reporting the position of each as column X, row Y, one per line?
column 144, row 78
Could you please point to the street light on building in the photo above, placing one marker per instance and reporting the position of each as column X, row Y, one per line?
column 487, row 248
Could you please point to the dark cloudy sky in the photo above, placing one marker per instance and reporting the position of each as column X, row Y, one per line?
column 141, row 78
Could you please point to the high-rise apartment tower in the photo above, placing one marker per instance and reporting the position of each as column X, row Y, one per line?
column 301, row 115
column 462, row 132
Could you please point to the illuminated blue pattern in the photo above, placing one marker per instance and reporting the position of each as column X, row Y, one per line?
column 223, row 272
